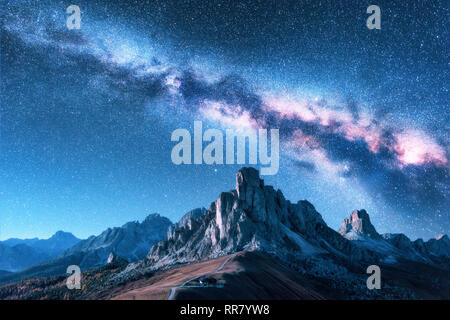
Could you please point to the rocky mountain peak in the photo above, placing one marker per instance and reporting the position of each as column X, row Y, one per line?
column 247, row 178
column 154, row 221
column 358, row 225
column 251, row 216
column 62, row 234
column 443, row 237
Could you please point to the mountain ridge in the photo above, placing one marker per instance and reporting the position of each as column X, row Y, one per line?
column 17, row 254
column 254, row 217
column 255, row 232
column 359, row 229
column 130, row 242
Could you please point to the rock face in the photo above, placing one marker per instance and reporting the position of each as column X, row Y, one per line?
column 114, row 260
column 188, row 219
column 110, row 258
column 252, row 216
column 358, row 225
column 131, row 241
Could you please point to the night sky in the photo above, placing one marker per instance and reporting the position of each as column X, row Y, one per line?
column 87, row 115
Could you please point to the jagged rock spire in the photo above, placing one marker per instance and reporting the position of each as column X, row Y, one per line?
column 358, row 224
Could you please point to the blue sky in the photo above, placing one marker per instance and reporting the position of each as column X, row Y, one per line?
column 87, row 114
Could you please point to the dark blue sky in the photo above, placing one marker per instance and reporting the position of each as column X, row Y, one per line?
column 87, row 114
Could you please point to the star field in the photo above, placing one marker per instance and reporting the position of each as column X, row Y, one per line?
column 87, row 114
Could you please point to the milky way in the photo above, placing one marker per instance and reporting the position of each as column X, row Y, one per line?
column 87, row 114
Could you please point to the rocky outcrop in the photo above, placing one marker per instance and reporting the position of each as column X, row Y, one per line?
column 358, row 225
column 252, row 216
column 115, row 260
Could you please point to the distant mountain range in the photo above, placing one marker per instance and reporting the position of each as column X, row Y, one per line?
column 393, row 246
column 130, row 242
column 251, row 243
column 18, row 254
column 3, row 272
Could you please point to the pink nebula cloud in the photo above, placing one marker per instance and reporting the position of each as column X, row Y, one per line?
column 414, row 147
column 228, row 116
column 410, row 147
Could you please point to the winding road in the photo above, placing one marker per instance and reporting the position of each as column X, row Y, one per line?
column 183, row 285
